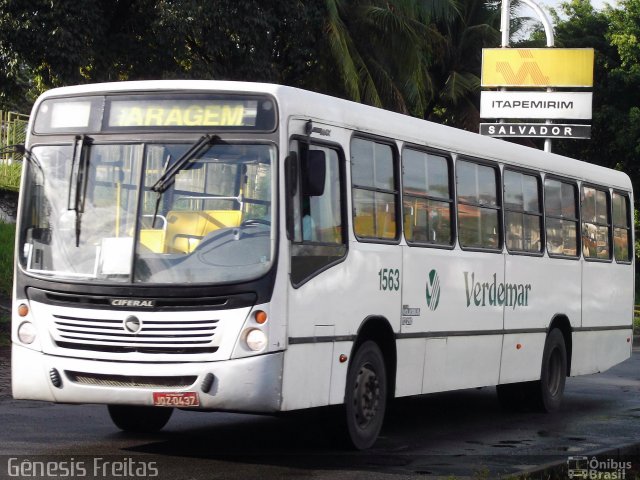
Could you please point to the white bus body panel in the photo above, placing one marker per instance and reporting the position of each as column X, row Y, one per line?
column 597, row 351
column 607, row 294
column 323, row 308
column 554, row 292
column 468, row 361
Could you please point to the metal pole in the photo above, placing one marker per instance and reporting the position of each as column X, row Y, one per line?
column 548, row 30
column 504, row 22
column 504, row 28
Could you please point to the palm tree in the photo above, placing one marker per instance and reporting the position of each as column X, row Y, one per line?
column 383, row 50
column 457, row 77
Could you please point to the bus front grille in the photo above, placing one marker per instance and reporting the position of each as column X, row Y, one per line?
column 153, row 336
column 100, row 380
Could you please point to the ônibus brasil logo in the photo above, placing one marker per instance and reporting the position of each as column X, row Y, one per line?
column 433, row 290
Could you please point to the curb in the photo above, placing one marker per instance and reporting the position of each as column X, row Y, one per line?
column 558, row 469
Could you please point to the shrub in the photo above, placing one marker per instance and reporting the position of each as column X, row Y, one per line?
column 7, row 235
column 10, row 176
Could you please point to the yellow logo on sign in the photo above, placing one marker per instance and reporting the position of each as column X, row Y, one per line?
column 537, row 67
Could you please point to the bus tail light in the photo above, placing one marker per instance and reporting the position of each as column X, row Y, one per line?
column 256, row 340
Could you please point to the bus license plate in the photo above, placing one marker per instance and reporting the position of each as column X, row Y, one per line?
column 178, row 399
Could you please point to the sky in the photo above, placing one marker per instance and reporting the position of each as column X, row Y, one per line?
column 546, row 4
column 598, row 4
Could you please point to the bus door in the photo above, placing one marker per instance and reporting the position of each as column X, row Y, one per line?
column 316, row 224
column 452, row 319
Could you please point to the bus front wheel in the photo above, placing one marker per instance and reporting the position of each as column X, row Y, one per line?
column 366, row 395
column 549, row 389
column 139, row 419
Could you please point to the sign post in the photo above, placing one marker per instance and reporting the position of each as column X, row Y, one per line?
column 546, row 68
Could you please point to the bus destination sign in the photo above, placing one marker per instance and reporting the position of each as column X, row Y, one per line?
column 92, row 114
column 182, row 113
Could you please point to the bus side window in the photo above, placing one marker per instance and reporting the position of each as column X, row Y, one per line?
column 561, row 213
column 478, row 206
column 427, row 198
column 621, row 228
column 374, row 189
column 596, row 223
column 317, row 207
column 523, row 212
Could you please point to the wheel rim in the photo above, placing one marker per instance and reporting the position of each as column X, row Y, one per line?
column 554, row 378
column 366, row 396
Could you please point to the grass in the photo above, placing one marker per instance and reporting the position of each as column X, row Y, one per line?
column 10, row 176
column 7, row 234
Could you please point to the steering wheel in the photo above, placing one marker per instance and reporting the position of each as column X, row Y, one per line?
column 254, row 221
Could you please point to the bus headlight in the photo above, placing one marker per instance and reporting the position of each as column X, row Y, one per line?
column 256, row 340
column 27, row 333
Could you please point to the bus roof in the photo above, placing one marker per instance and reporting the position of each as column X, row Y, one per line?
column 294, row 102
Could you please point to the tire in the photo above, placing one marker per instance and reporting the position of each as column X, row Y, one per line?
column 365, row 396
column 139, row 419
column 549, row 390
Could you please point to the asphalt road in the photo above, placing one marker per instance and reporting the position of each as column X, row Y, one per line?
column 462, row 434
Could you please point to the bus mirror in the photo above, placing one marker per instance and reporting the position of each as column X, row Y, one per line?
column 314, row 169
column 291, row 173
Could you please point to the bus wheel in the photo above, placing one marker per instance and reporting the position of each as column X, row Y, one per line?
column 366, row 395
column 139, row 419
column 549, row 389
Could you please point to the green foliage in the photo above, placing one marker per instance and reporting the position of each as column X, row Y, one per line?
column 10, row 176
column 7, row 235
column 457, row 73
column 624, row 33
column 47, row 44
column 421, row 58
column 615, row 141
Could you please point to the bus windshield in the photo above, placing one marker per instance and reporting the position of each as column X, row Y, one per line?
column 89, row 216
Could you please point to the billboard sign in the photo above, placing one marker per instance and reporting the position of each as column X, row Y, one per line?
column 537, row 67
column 536, row 105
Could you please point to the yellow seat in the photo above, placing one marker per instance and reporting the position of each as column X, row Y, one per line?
column 153, row 239
column 363, row 225
column 185, row 229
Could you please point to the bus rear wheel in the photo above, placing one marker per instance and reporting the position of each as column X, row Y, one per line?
column 139, row 419
column 549, row 390
column 366, row 395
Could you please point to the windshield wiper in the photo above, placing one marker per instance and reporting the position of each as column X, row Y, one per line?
column 165, row 181
column 159, row 194
column 78, row 181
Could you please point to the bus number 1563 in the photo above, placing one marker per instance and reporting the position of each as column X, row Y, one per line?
column 389, row 279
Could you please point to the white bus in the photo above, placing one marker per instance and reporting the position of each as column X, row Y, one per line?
column 258, row 248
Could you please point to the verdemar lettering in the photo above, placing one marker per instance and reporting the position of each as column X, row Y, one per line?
column 494, row 293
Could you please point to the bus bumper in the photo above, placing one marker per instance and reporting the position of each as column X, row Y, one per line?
column 251, row 384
